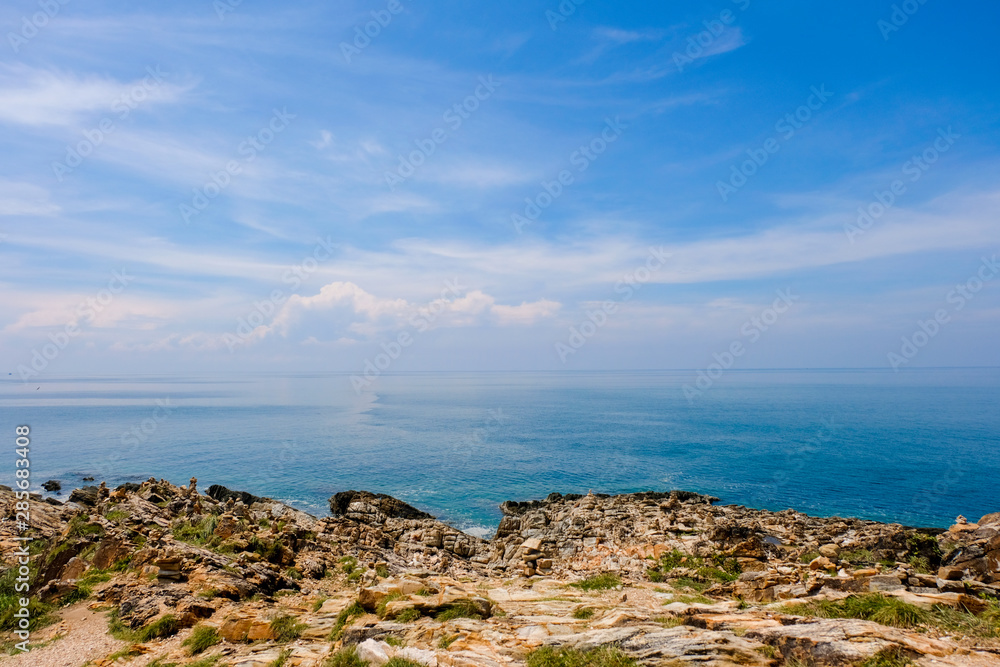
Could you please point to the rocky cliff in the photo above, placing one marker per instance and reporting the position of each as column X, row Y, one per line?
column 228, row 578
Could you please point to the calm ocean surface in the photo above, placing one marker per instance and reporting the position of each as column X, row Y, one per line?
column 917, row 447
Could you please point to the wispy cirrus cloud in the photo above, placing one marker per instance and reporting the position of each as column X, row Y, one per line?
column 40, row 97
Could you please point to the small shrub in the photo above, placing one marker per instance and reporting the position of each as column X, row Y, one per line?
column 286, row 628
column 809, row 557
column 600, row 582
column 345, row 657
column 382, row 571
column 293, row 573
column 670, row 560
column 203, row 637
column 583, row 613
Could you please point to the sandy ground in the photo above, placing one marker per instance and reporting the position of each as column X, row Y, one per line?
column 82, row 636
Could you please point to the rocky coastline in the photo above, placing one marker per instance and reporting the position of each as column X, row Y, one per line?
column 158, row 574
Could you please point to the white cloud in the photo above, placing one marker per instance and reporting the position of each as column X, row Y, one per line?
column 41, row 97
column 25, row 199
column 340, row 307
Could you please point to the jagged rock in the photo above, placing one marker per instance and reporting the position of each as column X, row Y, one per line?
column 52, row 486
column 222, row 494
column 87, row 495
column 842, row 641
column 240, row 578
column 372, row 508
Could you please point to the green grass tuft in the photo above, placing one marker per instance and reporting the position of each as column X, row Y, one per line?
column 345, row 657
column 460, row 609
column 548, row 656
column 205, row 662
column 402, row 662
column 407, row 615
column 202, row 638
column 163, row 627
column 345, row 617
column 286, row 628
column 583, row 613
column 888, row 657
column 281, row 659
column 392, row 597
column 600, row 582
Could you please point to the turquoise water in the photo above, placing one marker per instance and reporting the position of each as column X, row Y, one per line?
column 918, row 447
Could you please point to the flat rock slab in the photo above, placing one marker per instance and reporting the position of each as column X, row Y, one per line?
column 837, row 641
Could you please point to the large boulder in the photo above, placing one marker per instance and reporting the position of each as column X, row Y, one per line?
column 372, row 507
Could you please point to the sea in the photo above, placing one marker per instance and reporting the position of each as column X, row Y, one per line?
column 917, row 447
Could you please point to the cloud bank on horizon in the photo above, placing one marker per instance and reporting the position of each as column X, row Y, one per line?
column 226, row 186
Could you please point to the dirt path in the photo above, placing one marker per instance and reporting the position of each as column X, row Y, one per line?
column 83, row 635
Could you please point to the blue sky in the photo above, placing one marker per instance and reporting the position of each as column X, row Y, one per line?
column 276, row 193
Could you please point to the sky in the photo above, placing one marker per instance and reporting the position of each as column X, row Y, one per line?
column 433, row 185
